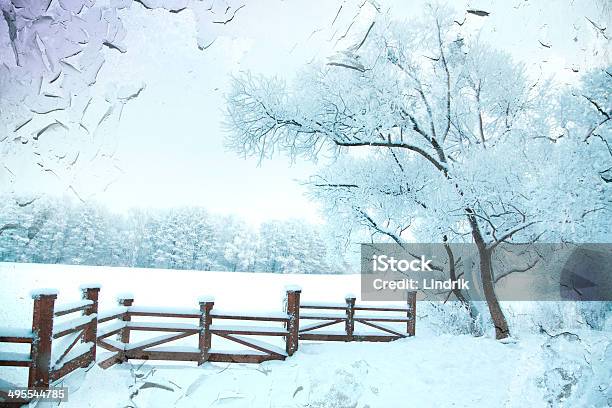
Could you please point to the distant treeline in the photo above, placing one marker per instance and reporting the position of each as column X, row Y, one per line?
column 64, row 232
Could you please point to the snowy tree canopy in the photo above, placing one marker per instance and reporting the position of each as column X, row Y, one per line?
column 432, row 130
column 435, row 135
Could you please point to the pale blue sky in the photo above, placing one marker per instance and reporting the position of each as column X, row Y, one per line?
column 171, row 145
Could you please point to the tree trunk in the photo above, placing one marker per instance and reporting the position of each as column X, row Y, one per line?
column 486, row 275
column 474, row 328
column 497, row 315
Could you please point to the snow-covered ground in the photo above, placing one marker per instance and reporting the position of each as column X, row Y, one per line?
column 433, row 369
column 161, row 287
column 440, row 371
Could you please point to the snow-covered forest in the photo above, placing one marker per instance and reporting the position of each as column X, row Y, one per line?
column 67, row 232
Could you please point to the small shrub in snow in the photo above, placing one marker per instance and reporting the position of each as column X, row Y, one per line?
column 450, row 318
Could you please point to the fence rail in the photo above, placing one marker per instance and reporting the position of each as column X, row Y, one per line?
column 58, row 349
column 351, row 314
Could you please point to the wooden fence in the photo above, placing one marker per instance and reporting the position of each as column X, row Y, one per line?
column 350, row 313
column 76, row 340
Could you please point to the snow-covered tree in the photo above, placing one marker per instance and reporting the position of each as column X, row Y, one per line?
column 291, row 246
column 436, row 137
column 241, row 252
column 585, row 113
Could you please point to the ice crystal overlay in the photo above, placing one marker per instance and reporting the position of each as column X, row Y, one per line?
column 56, row 121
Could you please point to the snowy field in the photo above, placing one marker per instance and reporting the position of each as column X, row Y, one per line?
column 161, row 287
column 433, row 369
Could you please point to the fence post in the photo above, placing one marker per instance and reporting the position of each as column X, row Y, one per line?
column 411, row 314
column 42, row 327
column 124, row 335
column 350, row 317
column 90, row 333
column 293, row 324
column 204, row 338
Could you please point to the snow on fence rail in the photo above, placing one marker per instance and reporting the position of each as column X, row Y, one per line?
column 349, row 317
column 120, row 322
column 75, row 338
column 75, row 341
